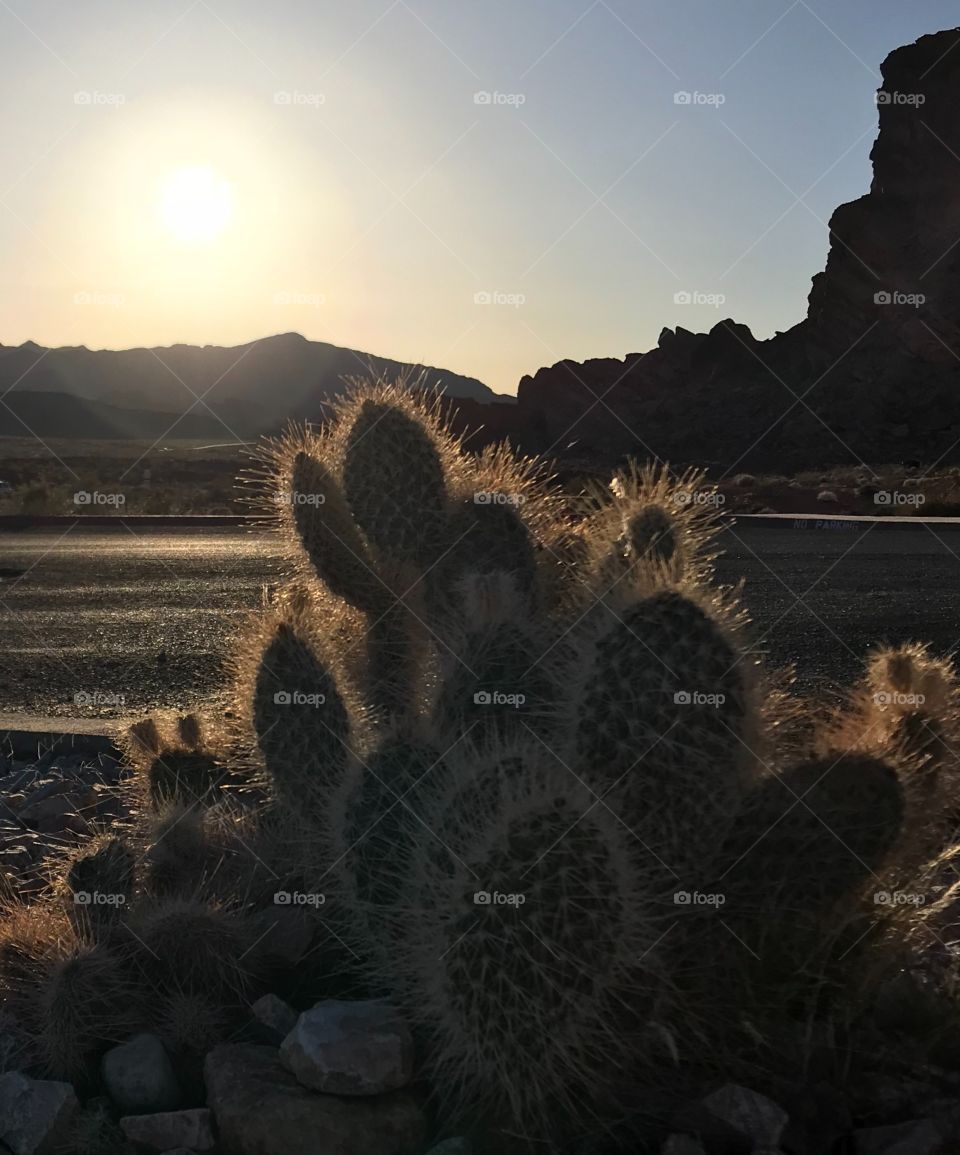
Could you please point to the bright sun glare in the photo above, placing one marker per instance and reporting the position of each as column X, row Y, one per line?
column 196, row 205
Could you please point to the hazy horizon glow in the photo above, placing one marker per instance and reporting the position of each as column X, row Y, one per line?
column 488, row 190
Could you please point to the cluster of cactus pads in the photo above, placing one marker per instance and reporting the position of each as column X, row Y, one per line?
column 509, row 759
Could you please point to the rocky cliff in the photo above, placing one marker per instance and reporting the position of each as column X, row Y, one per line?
column 873, row 371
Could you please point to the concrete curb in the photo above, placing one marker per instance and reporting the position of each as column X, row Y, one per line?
column 13, row 522
column 836, row 522
column 24, row 744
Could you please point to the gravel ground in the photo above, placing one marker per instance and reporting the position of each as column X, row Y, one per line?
column 149, row 617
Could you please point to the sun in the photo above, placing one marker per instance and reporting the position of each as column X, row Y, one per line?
column 196, row 205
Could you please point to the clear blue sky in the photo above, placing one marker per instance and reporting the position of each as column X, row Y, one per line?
column 217, row 171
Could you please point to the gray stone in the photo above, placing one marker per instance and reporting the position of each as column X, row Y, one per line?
column 276, row 1015
column 261, row 1109
column 140, row 1077
column 748, row 1112
column 35, row 1114
column 350, row 1048
column 192, row 1129
column 456, row 1146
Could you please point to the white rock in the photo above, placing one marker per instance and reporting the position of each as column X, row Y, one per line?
column 349, row 1048
column 748, row 1112
column 140, row 1077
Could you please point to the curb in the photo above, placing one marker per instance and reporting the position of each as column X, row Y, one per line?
column 22, row 744
column 12, row 522
column 835, row 522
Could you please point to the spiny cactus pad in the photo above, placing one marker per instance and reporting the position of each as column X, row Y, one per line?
column 523, row 954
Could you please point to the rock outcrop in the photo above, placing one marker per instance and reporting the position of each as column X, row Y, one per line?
column 873, row 371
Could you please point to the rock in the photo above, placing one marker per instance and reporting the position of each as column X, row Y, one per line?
column 35, row 1114
column 350, row 1048
column 458, row 1146
column 277, row 1016
column 748, row 1112
column 140, row 1077
column 921, row 1137
column 192, row 1129
column 827, row 496
column 261, row 1109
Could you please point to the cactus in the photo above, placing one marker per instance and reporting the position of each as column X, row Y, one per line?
column 193, row 946
column 86, row 1002
column 548, row 983
column 297, row 711
column 100, row 882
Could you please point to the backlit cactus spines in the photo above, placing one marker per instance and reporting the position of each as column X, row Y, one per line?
column 649, row 520
column 393, row 454
column 818, row 833
column 297, row 711
column 500, row 666
column 99, row 885
column 523, row 953
column 666, row 715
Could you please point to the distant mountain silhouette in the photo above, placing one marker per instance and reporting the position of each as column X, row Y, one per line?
column 49, row 415
column 245, row 389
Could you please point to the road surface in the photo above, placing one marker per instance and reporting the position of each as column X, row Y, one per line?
column 114, row 624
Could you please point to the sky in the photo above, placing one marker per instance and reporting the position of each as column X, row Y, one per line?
column 485, row 185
